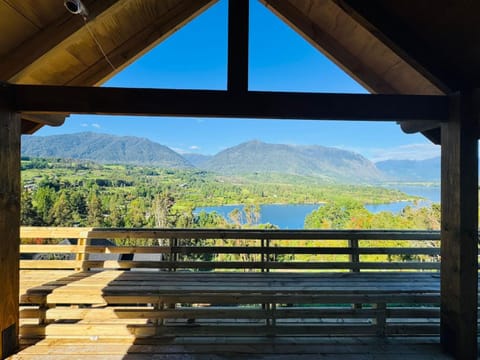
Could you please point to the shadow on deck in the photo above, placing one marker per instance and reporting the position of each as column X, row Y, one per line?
column 241, row 348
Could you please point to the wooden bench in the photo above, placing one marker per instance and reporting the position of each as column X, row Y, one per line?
column 272, row 290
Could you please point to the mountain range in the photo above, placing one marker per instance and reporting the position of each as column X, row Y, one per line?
column 103, row 148
column 318, row 161
column 411, row 170
column 328, row 163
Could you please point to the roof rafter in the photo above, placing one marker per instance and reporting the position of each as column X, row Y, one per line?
column 152, row 33
column 27, row 53
column 334, row 29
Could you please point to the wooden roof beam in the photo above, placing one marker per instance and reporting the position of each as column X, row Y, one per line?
column 214, row 103
column 141, row 42
column 328, row 45
column 32, row 122
column 349, row 42
column 238, row 23
column 411, row 127
column 47, row 39
column 352, row 46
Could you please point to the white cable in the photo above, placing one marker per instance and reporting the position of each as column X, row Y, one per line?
column 98, row 43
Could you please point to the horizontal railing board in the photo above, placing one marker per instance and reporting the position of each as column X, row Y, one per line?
column 352, row 285
column 140, row 297
column 87, row 330
column 210, row 312
column 266, row 251
column 206, row 265
column 271, row 290
column 187, row 250
column 141, row 233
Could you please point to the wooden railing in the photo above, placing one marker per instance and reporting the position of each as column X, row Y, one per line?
column 229, row 282
column 252, row 250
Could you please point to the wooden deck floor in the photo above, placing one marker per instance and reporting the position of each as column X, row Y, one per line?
column 258, row 348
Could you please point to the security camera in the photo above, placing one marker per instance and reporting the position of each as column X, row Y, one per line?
column 76, row 7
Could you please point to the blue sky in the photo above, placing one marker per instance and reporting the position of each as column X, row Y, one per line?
column 280, row 60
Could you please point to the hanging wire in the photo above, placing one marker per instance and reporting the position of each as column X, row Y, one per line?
column 87, row 26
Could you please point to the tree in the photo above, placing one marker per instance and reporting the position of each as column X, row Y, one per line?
column 136, row 214
column 236, row 217
column 62, row 212
column 43, row 199
column 116, row 209
column 162, row 205
column 28, row 213
column 328, row 216
column 210, row 220
column 252, row 214
column 95, row 210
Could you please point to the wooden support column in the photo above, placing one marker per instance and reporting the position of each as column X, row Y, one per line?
column 237, row 77
column 459, row 234
column 9, row 230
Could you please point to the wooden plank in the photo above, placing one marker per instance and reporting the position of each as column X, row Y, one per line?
column 9, row 229
column 111, row 330
column 459, row 245
column 238, row 24
column 213, row 289
column 32, row 232
column 237, row 348
column 31, row 122
column 210, row 265
column 54, row 264
column 212, row 103
column 33, row 248
column 210, row 312
column 372, row 342
column 187, row 250
column 140, row 297
column 81, row 256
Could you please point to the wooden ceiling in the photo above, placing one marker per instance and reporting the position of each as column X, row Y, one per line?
column 42, row 43
column 393, row 47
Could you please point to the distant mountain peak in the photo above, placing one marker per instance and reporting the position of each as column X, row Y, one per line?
column 411, row 170
column 103, row 148
column 259, row 157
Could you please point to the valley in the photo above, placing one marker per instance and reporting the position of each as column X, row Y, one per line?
column 91, row 179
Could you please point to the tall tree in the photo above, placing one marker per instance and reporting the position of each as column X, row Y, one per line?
column 29, row 215
column 95, row 210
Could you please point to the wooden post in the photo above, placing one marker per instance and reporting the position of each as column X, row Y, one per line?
column 354, row 260
column 354, row 256
column 82, row 256
column 459, row 233
column 237, row 77
column 9, row 230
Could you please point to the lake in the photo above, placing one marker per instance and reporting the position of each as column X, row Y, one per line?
column 430, row 193
column 292, row 216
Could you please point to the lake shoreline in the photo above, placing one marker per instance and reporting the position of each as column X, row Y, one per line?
column 292, row 216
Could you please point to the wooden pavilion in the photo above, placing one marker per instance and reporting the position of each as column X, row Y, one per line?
column 420, row 60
